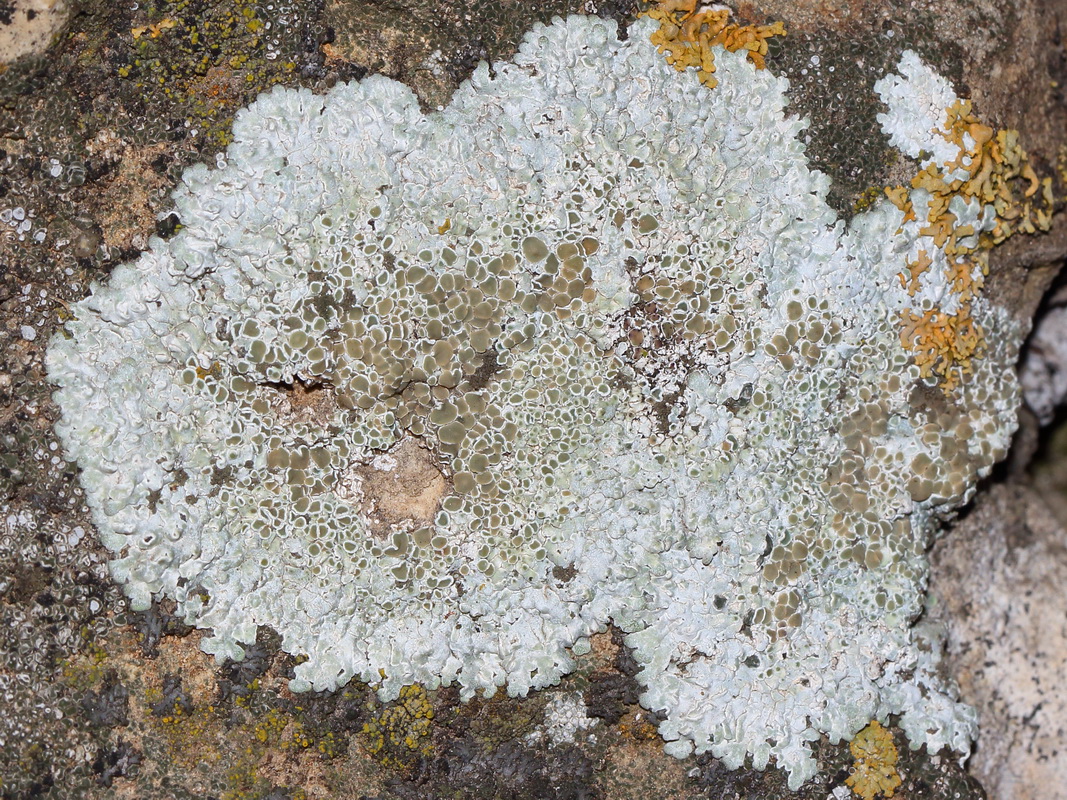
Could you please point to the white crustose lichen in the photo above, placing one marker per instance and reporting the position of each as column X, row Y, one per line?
column 439, row 396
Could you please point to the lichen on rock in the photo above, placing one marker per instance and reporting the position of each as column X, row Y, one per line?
column 439, row 396
column 875, row 771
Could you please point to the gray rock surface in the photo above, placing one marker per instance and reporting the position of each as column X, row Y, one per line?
column 998, row 582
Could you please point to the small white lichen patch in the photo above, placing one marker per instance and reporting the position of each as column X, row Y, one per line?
column 565, row 719
column 917, row 98
column 438, row 397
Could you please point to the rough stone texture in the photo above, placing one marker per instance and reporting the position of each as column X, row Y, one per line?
column 432, row 46
column 91, row 155
column 1043, row 368
column 27, row 26
column 1008, row 637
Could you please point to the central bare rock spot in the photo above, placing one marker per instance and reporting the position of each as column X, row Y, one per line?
column 402, row 488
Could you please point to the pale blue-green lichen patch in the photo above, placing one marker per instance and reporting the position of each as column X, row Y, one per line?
column 591, row 321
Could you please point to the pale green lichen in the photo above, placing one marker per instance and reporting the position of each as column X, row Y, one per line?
column 438, row 397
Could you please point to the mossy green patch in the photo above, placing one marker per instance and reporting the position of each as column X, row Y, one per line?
column 399, row 732
column 201, row 62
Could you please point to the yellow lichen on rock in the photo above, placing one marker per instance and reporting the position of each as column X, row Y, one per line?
column 688, row 31
column 992, row 161
column 916, row 269
column 992, row 169
column 875, row 771
column 943, row 343
column 400, row 729
column 155, row 30
column 281, row 730
column 85, row 669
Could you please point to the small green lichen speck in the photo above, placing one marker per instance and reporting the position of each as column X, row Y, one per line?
column 200, row 59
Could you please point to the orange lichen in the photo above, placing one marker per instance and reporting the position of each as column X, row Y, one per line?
column 943, row 344
column 915, row 270
column 989, row 168
column 154, row 30
column 992, row 161
column 875, row 770
column 898, row 196
column 687, row 33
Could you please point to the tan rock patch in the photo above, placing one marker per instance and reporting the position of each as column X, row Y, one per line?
column 402, row 488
